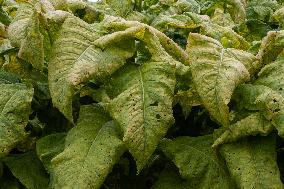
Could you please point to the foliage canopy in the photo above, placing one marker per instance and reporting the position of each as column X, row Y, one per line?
column 141, row 94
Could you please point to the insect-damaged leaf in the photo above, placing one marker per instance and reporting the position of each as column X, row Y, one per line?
column 92, row 147
column 76, row 59
column 195, row 159
column 15, row 107
column 142, row 104
column 215, row 73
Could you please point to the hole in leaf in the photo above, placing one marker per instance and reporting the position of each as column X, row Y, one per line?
column 158, row 116
column 154, row 104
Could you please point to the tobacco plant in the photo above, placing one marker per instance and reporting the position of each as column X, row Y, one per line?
column 141, row 94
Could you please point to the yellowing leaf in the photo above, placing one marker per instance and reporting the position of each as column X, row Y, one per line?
column 26, row 32
column 142, row 104
column 216, row 73
column 272, row 45
column 75, row 60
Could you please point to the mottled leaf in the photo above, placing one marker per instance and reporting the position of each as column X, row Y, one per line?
column 76, row 59
column 27, row 32
column 272, row 45
column 92, row 147
column 28, row 169
column 142, row 104
column 216, row 73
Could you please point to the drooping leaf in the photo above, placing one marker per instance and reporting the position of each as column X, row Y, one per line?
column 28, row 169
column 272, row 45
column 216, row 73
column 76, row 59
column 15, row 106
column 27, row 32
column 50, row 146
column 92, row 147
column 195, row 159
column 252, row 163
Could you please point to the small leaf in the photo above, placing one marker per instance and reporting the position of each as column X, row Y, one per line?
column 28, row 169
column 195, row 159
column 252, row 163
column 216, row 73
column 92, row 147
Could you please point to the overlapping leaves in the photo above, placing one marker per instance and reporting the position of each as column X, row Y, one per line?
column 104, row 86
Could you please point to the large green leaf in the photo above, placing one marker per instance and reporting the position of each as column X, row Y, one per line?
column 142, row 104
column 252, row 163
column 15, row 106
column 92, row 147
column 76, row 59
column 195, row 159
column 216, row 73
column 28, row 169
